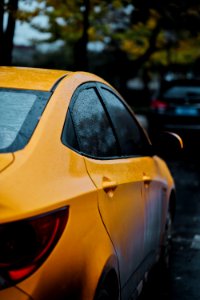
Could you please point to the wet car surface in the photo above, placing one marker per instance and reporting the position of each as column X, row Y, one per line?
column 86, row 202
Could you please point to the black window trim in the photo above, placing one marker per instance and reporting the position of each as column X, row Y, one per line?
column 83, row 86
column 109, row 120
column 97, row 86
column 86, row 86
column 141, row 131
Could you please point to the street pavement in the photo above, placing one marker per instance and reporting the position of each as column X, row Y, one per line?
column 185, row 265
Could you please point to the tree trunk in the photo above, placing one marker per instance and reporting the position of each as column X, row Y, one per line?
column 81, row 57
column 1, row 30
column 9, row 32
column 7, row 35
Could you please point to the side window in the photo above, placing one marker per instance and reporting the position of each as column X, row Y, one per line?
column 131, row 138
column 91, row 126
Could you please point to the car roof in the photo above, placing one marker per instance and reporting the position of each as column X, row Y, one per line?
column 30, row 78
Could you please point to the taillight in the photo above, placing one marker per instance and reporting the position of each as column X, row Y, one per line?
column 25, row 244
column 158, row 104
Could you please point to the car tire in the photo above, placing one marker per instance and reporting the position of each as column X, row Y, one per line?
column 108, row 289
column 103, row 295
column 166, row 245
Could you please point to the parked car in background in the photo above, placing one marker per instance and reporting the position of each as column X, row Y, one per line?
column 176, row 107
column 86, row 203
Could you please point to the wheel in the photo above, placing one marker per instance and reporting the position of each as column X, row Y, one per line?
column 167, row 239
column 106, row 294
column 108, row 288
column 103, row 295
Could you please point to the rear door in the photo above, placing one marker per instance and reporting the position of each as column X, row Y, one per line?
column 119, row 179
column 141, row 186
column 115, row 150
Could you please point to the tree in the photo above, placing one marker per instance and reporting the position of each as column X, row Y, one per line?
column 69, row 22
column 76, row 23
column 6, row 35
column 176, row 23
column 135, row 34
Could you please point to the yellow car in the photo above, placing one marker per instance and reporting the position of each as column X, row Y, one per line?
column 85, row 202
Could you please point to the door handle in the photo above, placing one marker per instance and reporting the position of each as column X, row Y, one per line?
column 147, row 180
column 109, row 186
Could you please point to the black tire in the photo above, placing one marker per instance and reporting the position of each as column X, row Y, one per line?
column 166, row 245
column 108, row 289
column 103, row 295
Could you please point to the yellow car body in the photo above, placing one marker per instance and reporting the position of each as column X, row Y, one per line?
column 115, row 207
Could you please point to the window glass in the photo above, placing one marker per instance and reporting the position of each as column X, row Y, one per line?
column 131, row 139
column 20, row 111
column 94, row 134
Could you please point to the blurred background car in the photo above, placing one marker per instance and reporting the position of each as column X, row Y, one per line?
column 176, row 107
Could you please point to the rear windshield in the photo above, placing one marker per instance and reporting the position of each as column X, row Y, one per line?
column 20, row 111
column 182, row 92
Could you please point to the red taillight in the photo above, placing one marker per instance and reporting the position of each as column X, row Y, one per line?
column 25, row 244
column 158, row 104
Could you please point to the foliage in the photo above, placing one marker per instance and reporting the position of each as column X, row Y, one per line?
column 161, row 32
column 134, row 34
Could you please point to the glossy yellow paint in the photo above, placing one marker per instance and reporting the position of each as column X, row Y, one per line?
column 125, row 191
column 34, row 166
column 107, row 199
column 46, row 175
column 122, row 208
column 14, row 293
column 29, row 78
column 6, row 160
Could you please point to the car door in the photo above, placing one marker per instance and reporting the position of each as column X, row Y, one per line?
column 134, row 144
column 119, row 180
column 135, row 188
column 114, row 148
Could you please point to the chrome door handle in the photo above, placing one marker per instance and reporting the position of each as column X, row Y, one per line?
column 147, row 180
column 109, row 186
